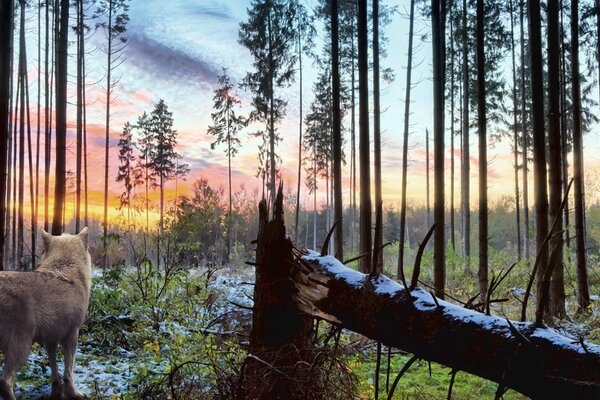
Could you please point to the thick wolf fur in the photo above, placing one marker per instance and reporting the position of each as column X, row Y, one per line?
column 47, row 306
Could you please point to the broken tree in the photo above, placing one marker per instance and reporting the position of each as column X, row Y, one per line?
column 538, row 362
column 280, row 336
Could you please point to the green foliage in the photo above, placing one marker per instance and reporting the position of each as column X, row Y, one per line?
column 173, row 323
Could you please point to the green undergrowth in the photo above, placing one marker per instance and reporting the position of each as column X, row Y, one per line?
column 154, row 333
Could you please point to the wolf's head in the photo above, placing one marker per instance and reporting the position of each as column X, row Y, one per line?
column 73, row 248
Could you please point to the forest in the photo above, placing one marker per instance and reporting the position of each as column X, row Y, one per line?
column 311, row 199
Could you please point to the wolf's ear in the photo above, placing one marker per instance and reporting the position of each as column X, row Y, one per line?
column 84, row 236
column 46, row 239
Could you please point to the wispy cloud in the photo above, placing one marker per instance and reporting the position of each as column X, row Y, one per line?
column 167, row 63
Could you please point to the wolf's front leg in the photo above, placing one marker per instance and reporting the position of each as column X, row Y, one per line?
column 69, row 349
column 6, row 391
column 15, row 355
column 56, row 381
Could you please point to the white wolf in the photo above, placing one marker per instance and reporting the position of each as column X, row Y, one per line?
column 47, row 306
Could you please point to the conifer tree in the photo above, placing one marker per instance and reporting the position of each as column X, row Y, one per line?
column 226, row 125
column 130, row 173
column 269, row 35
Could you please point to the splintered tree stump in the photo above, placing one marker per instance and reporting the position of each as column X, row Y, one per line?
column 537, row 362
column 280, row 341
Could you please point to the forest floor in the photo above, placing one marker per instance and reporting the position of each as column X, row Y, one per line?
column 182, row 334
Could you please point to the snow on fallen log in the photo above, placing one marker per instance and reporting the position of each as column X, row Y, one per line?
column 537, row 362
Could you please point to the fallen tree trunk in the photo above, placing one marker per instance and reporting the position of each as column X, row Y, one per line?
column 537, row 362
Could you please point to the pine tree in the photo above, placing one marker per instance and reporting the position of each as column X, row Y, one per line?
column 115, row 25
column 61, row 115
column 145, row 145
column 6, row 27
column 364, row 147
column 162, row 158
column 130, row 173
column 439, row 273
column 400, row 270
column 269, row 36
column 539, row 138
column 226, row 125
column 317, row 138
column 583, row 294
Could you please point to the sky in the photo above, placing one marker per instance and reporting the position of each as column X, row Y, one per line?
column 177, row 49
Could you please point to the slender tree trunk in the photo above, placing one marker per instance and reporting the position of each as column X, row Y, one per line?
column 14, row 176
column 22, row 108
column 564, row 126
column 353, row 133
column 271, row 115
column 427, row 184
column 452, row 234
column 583, row 294
column 107, row 135
column 6, row 28
column 465, row 158
column 539, row 137
column 524, row 160
column 79, row 142
column 400, row 270
column 36, row 201
column 315, row 208
column 515, row 129
column 364, row 152
column 230, row 213
column 439, row 273
column 557, row 288
column 84, row 123
column 377, row 132
column 61, row 117
column 48, row 73
column 31, row 179
column 337, row 133
column 300, row 118
column 483, row 162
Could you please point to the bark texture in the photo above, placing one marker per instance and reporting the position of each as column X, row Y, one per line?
column 537, row 362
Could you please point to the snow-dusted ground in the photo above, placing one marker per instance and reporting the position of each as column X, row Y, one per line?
column 103, row 376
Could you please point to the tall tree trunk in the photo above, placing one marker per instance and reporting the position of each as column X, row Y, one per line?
column 515, row 129
column 31, row 181
column 452, row 234
column 61, row 116
column 48, row 73
column 539, row 137
column 22, row 107
column 300, row 118
column 353, row 132
column 483, row 162
column 271, row 115
column 439, row 273
column 79, row 143
column 230, row 211
column 337, row 133
column 564, row 127
column 400, row 270
column 583, row 294
column 36, row 200
column 465, row 158
column 524, row 160
column 364, row 156
column 6, row 28
column 557, row 287
column 107, row 135
column 377, row 133
column 427, row 184
column 15, row 144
